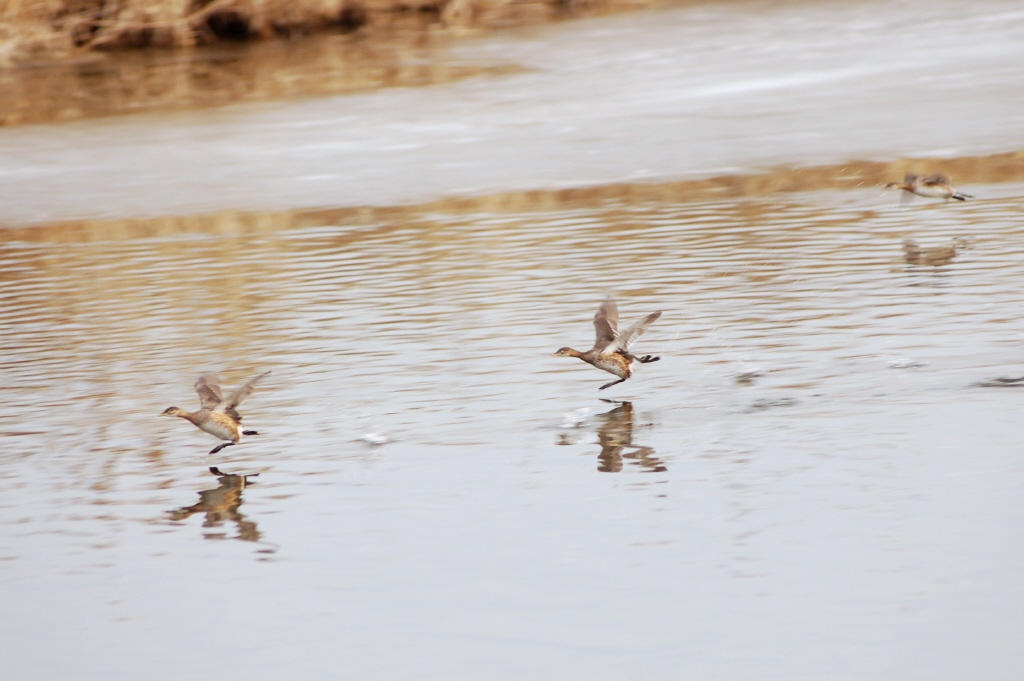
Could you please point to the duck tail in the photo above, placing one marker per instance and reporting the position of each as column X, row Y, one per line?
column 249, row 432
column 960, row 196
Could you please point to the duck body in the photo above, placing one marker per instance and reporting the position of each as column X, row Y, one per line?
column 614, row 363
column 215, row 423
column 611, row 349
column 218, row 416
column 934, row 186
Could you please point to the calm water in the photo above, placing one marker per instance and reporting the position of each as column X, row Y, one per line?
column 852, row 512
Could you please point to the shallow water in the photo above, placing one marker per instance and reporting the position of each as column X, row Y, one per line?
column 806, row 486
column 810, row 484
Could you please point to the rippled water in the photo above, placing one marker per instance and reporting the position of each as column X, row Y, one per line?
column 806, row 486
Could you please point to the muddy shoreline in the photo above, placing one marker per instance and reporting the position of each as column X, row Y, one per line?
column 50, row 32
column 33, row 30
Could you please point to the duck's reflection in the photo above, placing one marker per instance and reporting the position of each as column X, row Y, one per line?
column 220, row 505
column 935, row 256
column 615, row 435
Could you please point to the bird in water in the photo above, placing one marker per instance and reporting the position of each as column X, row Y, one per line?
column 611, row 349
column 934, row 186
column 218, row 416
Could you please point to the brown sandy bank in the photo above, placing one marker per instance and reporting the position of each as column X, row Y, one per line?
column 965, row 171
column 34, row 30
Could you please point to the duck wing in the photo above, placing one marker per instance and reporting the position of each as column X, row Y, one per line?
column 235, row 398
column 209, row 391
column 935, row 179
column 606, row 324
column 630, row 335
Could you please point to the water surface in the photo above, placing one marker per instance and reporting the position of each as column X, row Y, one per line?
column 807, row 485
column 810, row 484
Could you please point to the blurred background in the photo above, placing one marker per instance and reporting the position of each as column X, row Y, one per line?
column 402, row 211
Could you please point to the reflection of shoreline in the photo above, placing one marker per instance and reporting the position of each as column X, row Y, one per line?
column 615, row 435
column 220, row 505
column 995, row 168
column 200, row 79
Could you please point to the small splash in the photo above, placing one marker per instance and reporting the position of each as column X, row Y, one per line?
column 905, row 363
column 575, row 418
column 374, row 439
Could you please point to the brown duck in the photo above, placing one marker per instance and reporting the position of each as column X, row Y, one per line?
column 611, row 349
column 934, row 186
column 218, row 416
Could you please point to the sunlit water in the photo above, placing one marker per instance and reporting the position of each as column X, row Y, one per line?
column 807, row 485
